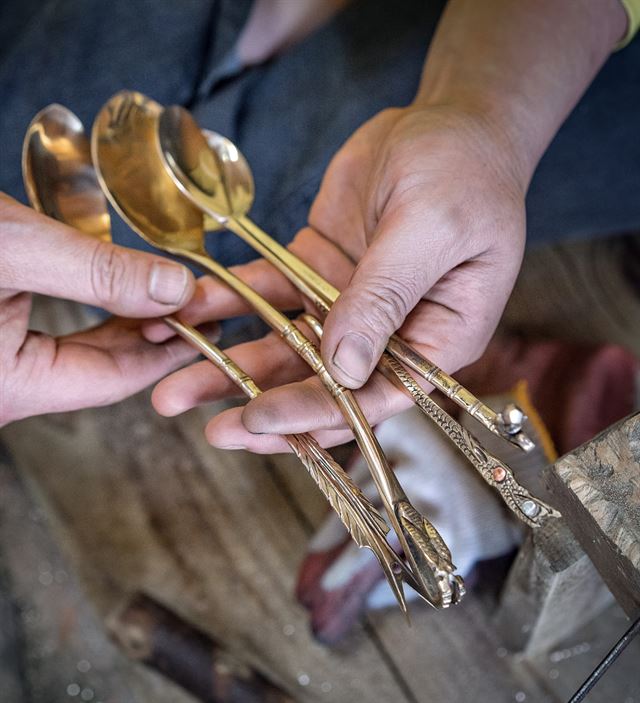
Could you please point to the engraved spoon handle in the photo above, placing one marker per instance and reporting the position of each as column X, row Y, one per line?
column 421, row 542
column 530, row 510
column 323, row 295
column 361, row 519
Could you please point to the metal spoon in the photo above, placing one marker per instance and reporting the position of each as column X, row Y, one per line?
column 219, row 182
column 61, row 182
column 126, row 156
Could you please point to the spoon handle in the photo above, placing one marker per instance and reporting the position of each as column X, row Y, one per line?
column 529, row 509
column 422, row 544
column 323, row 295
column 532, row 511
column 361, row 519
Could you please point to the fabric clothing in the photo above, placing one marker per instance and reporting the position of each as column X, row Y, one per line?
column 632, row 8
column 290, row 115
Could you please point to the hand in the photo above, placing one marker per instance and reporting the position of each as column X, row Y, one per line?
column 41, row 374
column 429, row 204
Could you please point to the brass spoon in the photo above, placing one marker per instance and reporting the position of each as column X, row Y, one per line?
column 61, row 182
column 126, row 156
column 218, row 181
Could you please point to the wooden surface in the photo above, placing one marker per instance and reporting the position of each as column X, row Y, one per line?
column 552, row 590
column 145, row 505
column 52, row 640
column 123, row 502
column 597, row 487
column 580, row 291
column 217, row 538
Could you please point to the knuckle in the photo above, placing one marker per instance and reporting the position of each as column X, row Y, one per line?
column 386, row 303
column 108, row 273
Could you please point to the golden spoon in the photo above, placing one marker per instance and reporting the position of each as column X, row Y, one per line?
column 127, row 159
column 61, row 182
column 218, row 181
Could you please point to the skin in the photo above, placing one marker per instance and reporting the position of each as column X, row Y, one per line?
column 275, row 25
column 420, row 219
column 40, row 373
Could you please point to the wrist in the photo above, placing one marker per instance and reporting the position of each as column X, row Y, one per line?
column 485, row 126
column 519, row 66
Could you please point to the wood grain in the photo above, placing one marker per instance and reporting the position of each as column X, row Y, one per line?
column 552, row 590
column 597, row 487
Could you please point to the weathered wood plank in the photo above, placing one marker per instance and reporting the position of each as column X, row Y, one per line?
column 152, row 634
column 579, row 291
column 552, row 590
column 146, row 508
column 56, row 646
column 563, row 668
column 597, row 488
column 455, row 655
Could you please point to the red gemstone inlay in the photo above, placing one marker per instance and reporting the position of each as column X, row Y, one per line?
column 499, row 474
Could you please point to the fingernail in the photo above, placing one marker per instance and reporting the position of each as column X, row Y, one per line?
column 353, row 357
column 168, row 283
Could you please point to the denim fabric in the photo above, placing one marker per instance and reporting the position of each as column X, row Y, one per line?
column 291, row 114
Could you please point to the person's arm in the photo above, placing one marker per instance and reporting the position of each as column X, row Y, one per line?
column 520, row 65
column 276, row 25
column 40, row 374
column 428, row 203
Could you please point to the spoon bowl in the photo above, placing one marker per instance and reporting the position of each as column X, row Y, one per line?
column 212, row 173
column 58, row 174
column 123, row 147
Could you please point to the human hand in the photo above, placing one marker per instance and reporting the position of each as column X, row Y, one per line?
column 42, row 374
column 429, row 203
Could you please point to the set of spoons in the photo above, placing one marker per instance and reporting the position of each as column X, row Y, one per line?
column 170, row 180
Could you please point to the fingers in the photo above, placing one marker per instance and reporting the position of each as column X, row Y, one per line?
column 307, row 406
column 269, row 361
column 41, row 255
column 226, row 431
column 213, row 300
column 389, row 281
column 87, row 369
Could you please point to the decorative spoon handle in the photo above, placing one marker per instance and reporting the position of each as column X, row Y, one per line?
column 361, row 519
column 419, row 539
column 532, row 511
column 323, row 295
column 496, row 473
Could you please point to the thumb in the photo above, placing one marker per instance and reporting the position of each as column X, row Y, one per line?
column 387, row 284
column 43, row 256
